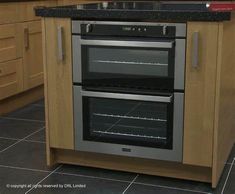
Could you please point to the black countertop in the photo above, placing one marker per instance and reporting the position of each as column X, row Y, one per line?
column 137, row 11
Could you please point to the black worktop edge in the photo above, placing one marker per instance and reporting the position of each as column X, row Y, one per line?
column 134, row 15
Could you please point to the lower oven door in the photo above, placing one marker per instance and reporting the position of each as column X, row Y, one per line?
column 144, row 126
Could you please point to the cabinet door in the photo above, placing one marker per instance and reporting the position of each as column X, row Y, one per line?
column 10, row 42
column 11, row 78
column 32, row 54
column 8, row 13
column 58, row 82
column 201, row 61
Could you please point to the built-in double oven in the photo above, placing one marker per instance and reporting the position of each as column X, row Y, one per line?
column 129, row 88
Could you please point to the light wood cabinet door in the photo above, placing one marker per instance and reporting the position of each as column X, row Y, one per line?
column 58, row 83
column 32, row 54
column 8, row 13
column 26, row 9
column 200, row 84
column 10, row 42
column 11, row 78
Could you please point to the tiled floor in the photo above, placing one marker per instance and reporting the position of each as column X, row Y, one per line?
column 23, row 168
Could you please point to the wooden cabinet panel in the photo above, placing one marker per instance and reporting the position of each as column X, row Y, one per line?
column 11, row 78
column 10, row 42
column 58, row 84
column 27, row 13
column 8, row 13
column 224, row 130
column 74, row 2
column 200, row 94
column 32, row 54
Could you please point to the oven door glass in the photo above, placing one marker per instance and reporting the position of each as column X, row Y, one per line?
column 128, row 63
column 128, row 122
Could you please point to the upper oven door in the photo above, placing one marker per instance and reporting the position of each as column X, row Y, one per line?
column 141, row 63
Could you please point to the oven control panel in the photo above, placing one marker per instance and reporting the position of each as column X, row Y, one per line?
column 128, row 30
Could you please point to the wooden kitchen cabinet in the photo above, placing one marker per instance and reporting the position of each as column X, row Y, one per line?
column 11, row 78
column 21, row 61
column 200, row 93
column 32, row 54
column 10, row 42
column 58, row 83
column 8, row 13
column 209, row 105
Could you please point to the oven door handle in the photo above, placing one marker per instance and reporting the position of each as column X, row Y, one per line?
column 165, row 99
column 164, row 44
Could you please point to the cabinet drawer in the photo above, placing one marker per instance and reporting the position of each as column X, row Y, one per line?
column 11, row 78
column 27, row 13
column 8, row 13
column 10, row 42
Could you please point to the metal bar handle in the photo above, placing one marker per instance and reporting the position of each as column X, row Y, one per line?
column 195, row 49
column 26, row 38
column 164, row 44
column 60, row 43
column 166, row 99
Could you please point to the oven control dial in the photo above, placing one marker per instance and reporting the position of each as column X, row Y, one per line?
column 88, row 28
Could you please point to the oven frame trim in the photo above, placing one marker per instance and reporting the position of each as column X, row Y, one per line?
column 176, row 154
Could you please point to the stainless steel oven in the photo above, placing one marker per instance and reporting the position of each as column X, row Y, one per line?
column 129, row 88
column 123, row 54
column 146, row 126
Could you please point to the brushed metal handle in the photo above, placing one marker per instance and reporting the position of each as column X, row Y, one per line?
column 195, row 49
column 60, row 45
column 119, row 43
column 166, row 99
column 26, row 38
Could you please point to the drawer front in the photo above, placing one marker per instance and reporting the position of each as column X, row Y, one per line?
column 11, row 78
column 27, row 13
column 8, row 13
column 10, row 42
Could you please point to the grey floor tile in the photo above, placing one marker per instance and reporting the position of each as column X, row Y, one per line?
column 4, row 143
column 40, row 102
column 18, row 177
column 39, row 136
column 184, row 184
column 144, row 189
column 27, row 155
column 29, row 112
column 89, row 171
column 176, row 183
column 87, row 185
column 222, row 181
column 230, row 185
column 17, row 128
column 232, row 155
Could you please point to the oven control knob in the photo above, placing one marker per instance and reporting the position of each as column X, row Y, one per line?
column 88, row 28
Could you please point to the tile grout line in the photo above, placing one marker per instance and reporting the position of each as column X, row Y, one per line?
column 94, row 177
column 172, row 188
column 19, row 119
column 43, row 179
column 26, row 140
column 22, row 168
column 130, row 184
column 226, row 180
column 21, row 140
